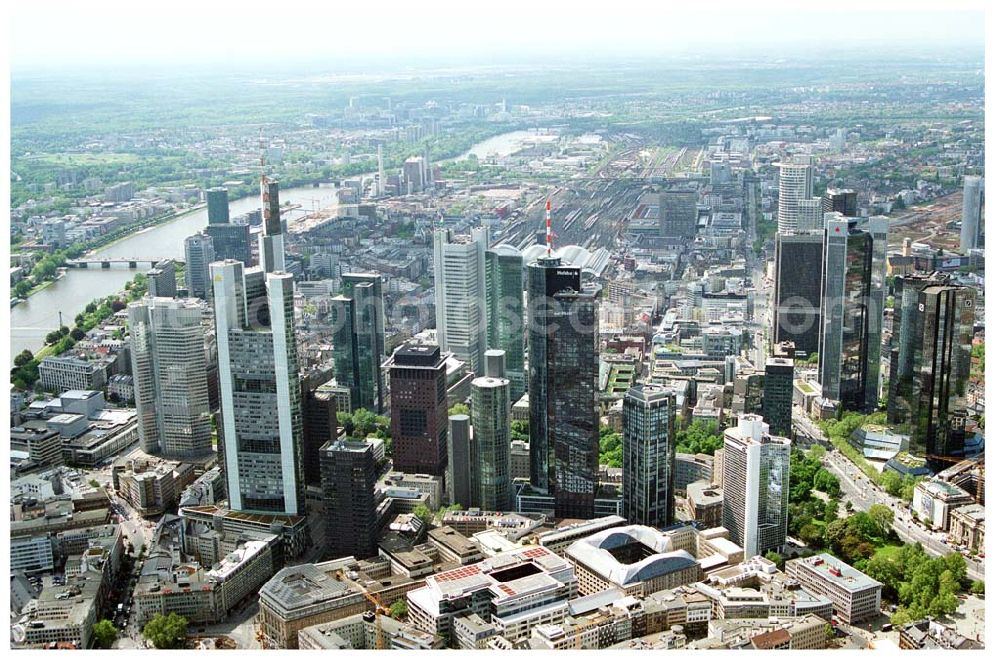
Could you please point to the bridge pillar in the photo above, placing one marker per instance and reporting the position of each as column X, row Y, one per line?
column 105, row 264
column 131, row 264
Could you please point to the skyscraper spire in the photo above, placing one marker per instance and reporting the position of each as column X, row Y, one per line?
column 548, row 226
column 272, row 241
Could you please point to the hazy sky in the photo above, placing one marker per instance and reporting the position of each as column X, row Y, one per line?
column 47, row 33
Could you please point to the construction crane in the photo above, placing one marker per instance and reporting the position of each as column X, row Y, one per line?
column 380, row 610
column 978, row 464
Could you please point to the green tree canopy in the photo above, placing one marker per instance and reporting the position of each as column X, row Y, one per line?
column 166, row 632
column 104, row 633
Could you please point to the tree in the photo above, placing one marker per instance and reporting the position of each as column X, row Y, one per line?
column 23, row 358
column 77, row 334
column 611, row 450
column 699, row 438
column 105, row 634
column 882, row 517
column 53, row 337
column 459, row 408
column 166, row 632
column 519, row 430
column 978, row 587
column 422, row 512
column 777, row 558
column 398, row 609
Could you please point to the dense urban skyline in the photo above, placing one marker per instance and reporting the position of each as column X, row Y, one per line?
column 563, row 328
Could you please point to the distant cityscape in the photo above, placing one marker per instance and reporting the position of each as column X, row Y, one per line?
column 551, row 360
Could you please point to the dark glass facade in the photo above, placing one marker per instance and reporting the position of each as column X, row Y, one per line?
column 930, row 362
column 797, row 291
column 218, row 205
column 419, row 409
column 349, row 472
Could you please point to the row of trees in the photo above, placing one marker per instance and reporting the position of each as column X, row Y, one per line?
column 362, row 422
column 25, row 371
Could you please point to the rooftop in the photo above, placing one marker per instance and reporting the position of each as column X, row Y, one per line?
column 834, row 571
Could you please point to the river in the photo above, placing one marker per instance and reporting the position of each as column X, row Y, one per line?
column 32, row 319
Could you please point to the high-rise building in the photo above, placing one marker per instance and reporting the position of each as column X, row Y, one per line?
column 563, row 369
column 414, row 175
column 231, row 241
column 798, row 290
column 272, row 234
column 170, row 380
column 776, row 406
column 349, row 472
column 418, row 396
column 798, row 209
column 648, row 453
column 365, row 289
column 679, row 213
column 973, row 205
column 505, row 311
column 218, row 205
column 490, row 463
column 345, row 347
column 854, row 257
column 755, row 486
column 837, row 200
column 380, row 183
column 199, row 252
column 162, row 280
column 460, row 295
column 458, row 480
column 930, row 360
column 261, row 415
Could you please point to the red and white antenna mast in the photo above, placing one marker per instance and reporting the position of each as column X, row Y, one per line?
column 548, row 226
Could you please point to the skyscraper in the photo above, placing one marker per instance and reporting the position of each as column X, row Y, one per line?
column 460, row 295
column 490, row 460
column 563, row 368
column 776, row 405
column 679, row 213
column 199, row 252
column 349, row 472
column 798, row 290
column 261, row 413
column 798, row 209
column 272, row 235
column 346, row 367
column 458, row 480
column 648, row 453
column 418, row 398
column 231, row 241
column 755, row 486
column 973, row 204
column 853, row 299
column 845, row 202
column 218, row 205
column 365, row 290
column 162, row 279
column 505, row 311
column 930, row 363
column 170, row 380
